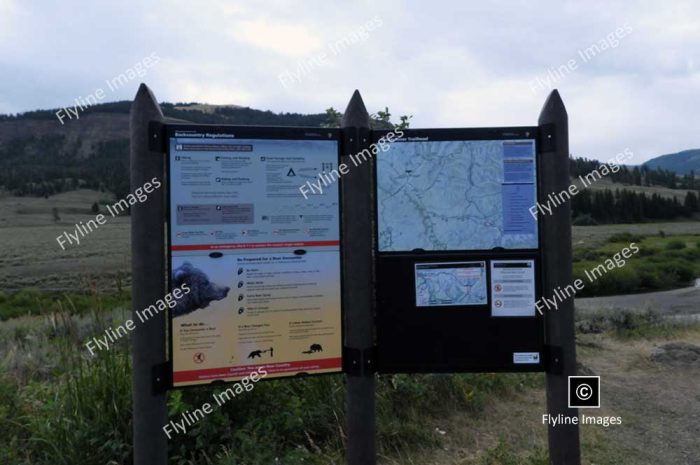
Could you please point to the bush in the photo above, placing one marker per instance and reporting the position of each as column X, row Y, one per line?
column 675, row 244
column 627, row 323
column 648, row 251
column 627, row 237
column 682, row 272
column 651, row 277
column 80, row 416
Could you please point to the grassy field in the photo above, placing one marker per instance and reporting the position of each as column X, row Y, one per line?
column 31, row 257
column 663, row 262
column 592, row 236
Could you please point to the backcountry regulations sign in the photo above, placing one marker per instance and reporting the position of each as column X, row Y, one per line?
column 262, row 262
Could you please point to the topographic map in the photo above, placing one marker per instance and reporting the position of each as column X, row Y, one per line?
column 450, row 284
column 449, row 195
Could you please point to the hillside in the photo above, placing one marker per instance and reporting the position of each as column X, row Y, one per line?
column 682, row 162
column 39, row 156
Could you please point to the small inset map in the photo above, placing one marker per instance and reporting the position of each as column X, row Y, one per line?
column 455, row 283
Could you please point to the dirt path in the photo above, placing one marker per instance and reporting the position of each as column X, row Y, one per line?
column 659, row 404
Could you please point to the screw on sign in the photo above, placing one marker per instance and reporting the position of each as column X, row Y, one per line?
column 499, row 288
column 499, row 304
column 199, row 357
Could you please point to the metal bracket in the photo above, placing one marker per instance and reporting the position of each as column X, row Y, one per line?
column 353, row 139
column 547, row 140
column 359, row 362
column 554, row 359
column 161, row 378
column 156, row 136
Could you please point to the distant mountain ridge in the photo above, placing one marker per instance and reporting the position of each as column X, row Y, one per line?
column 41, row 156
column 682, row 162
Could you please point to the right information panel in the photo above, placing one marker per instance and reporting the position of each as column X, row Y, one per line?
column 454, row 225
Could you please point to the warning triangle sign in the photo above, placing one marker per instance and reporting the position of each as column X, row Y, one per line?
column 291, row 172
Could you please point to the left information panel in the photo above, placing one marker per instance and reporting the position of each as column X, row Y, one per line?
column 261, row 262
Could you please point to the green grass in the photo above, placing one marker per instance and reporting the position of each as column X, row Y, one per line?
column 663, row 262
column 504, row 453
column 29, row 301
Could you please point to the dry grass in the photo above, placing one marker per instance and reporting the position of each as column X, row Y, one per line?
column 592, row 236
column 657, row 403
column 31, row 257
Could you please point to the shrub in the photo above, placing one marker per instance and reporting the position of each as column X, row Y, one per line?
column 683, row 272
column 627, row 237
column 618, row 281
column 651, row 277
column 625, row 321
column 647, row 251
column 675, row 244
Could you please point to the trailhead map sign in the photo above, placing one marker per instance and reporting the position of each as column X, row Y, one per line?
column 261, row 262
column 453, row 223
column 456, row 195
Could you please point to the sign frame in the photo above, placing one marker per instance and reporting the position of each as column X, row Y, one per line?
column 168, row 131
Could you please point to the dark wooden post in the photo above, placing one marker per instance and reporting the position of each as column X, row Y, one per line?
column 148, row 285
column 357, row 208
column 564, row 447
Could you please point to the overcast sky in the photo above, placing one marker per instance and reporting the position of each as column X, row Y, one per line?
column 450, row 64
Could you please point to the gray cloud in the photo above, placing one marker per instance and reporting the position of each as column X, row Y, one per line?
column 449, row 63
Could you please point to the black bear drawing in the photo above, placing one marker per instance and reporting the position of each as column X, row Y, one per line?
column 202, row 291
column 313, row 348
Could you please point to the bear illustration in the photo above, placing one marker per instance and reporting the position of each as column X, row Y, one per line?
column 202, row 291
column 313, row 348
